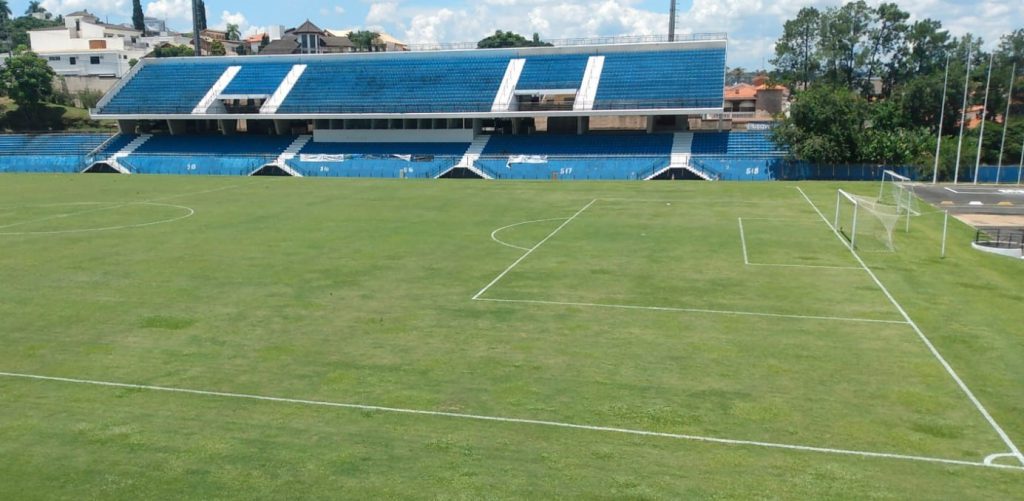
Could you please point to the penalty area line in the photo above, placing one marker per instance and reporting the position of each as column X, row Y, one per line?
column 1015, row 452
column 511, row 420
column 531, row 249
column 693, row 310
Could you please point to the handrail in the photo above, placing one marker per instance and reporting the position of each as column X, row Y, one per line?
column 575, row 42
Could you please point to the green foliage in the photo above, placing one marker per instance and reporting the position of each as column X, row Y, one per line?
column 138, row 18
column 132, row 62
column 825, row 125
column 264, row 42
column 28, row 80
column 364, row 41
column 201, row 21
column 5, row 12
column 174, row 51
column 501, row 39
column 88, row 98
column 34, row 7
column 17, row 29
column 217, row 48
column 233, row 32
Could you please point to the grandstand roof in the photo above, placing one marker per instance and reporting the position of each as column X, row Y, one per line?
column 662, row 78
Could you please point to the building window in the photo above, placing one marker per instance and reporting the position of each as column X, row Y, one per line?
column 72, row 61
column 94, row 60
column 54, row 58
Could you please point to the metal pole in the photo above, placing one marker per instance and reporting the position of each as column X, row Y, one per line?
column 672, row 22
column 907, row 208
column 942, row 116
column 195, row 27
column 984, row 111
column 945, row 227
column 963, row 117
column 839, row 197
column 1006, row 122
column 853, row 229
column 1020, row 168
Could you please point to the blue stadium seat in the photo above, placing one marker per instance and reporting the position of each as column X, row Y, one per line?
column 397, row 84
column 258, row 79
column 47, row 152
column 553, row 72
column 667, row 79
column 628, row 156
column 218, row 155
column 171, row 87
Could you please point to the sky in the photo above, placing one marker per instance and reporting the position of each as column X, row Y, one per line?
column 752, row 25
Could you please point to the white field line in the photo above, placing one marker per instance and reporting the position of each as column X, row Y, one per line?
column 746, row 259
column 110, row 206
column 189, row 212
column 693, row 310
column 503, row 228
column 701, row 201
column 743, row 241
column 510, row 420
column 920, row 334
column 531, row 249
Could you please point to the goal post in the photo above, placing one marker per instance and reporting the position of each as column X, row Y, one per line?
column 865, row 223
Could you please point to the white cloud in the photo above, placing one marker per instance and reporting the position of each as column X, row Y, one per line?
column 383, row 12
column 339, row 10
column 98, row 7
column 171, row 10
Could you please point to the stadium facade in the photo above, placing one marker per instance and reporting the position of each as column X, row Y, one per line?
column 590, row 111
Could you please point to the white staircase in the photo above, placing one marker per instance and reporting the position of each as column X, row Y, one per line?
column 215, row 91
column 507, row 92
column 588, row 88
column 114, row 160
column 682, row 147
column 279, row 95
column 289, row 153
column 476, row 148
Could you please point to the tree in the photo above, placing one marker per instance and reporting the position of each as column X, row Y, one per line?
column 264, row 42
column 174, row 51
column 501, row 39
column 217, row 48
column 364, row 40
column 796, row 52
column 233, row 33
column 28, row 81
column 886, row 44
column 824, row 125
column 34, row 7
column 201, row 22
column 138, row 18
column 5, row 13
column 736, row 74
column 242, row 49
column 17, row 29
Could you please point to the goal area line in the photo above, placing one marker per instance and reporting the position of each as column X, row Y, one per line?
column 987, row 463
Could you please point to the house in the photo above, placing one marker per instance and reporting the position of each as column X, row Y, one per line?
column 760, row 99
column 383, row 43
column 85, row 48
column 308, row 38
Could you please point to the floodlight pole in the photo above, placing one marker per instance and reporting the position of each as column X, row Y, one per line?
column 672, row 22
column 963, row 117
column 942, row 116
column 1006, row 122
column 195, row 27
column 984, row 111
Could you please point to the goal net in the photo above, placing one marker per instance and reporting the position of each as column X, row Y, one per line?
column 897, row 190
column 866, row 223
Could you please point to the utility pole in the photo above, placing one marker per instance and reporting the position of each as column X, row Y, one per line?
column 672, row 22
column 963, row 116
column 1006, row 122
column 984, row 111
column 942, row 116
column 195, row 27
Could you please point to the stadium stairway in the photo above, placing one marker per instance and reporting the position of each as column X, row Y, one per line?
column 468, row 160
column 288, row 154
column 114, row 160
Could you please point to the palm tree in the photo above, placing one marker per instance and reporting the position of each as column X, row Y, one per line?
column 737, row 74
column 5, row 12
column 233, row 32
column 34, row 7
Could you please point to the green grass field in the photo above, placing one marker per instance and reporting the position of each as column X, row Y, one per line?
column 711, row 326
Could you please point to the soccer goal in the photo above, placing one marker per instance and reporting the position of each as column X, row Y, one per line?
column 865, row 223
column 897, row 190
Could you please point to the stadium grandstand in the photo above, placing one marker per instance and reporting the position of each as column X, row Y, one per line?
column 622, row 110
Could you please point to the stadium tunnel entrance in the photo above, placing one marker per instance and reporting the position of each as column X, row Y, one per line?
column 271, row 170
column 101, row 168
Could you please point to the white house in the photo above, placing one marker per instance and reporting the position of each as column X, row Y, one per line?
column 85, row 47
